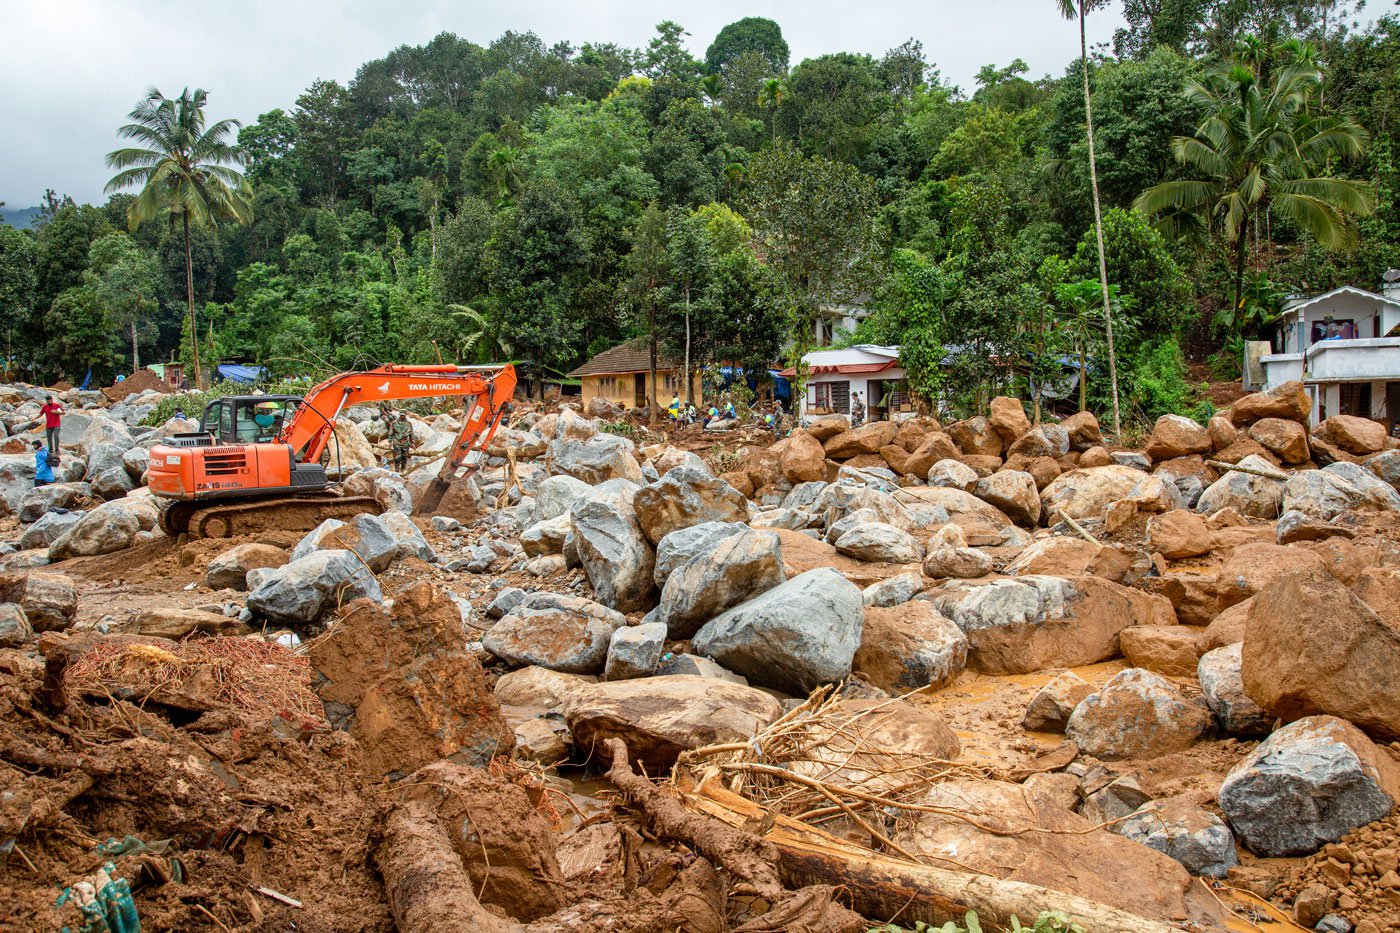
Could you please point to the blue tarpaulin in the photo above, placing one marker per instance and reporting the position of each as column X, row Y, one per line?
column 232, row 372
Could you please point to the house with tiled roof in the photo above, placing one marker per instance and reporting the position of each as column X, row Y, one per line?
column 621, row 376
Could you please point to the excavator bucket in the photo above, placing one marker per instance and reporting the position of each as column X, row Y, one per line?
column 432, row 497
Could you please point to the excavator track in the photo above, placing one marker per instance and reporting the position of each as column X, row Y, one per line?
column 231, row 518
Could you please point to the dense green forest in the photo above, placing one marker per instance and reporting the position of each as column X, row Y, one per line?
column 541, row 203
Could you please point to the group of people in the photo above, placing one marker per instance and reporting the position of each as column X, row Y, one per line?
column 46, row 455
column 682, row 413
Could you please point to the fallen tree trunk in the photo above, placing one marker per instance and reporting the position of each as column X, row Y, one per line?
column 882, row 887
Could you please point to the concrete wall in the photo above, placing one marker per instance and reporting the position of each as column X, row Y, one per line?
column 620, row 388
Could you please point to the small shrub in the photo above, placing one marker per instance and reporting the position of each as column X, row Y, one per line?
column 1047, row 922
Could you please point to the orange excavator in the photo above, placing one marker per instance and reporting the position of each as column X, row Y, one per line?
column 256, row 461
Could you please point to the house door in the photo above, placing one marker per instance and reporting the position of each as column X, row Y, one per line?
column 1392, row 404
column 639, row 395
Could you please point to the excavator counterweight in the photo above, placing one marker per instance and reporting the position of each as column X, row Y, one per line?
column 257, row 460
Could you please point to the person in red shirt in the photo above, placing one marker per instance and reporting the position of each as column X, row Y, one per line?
column 53, row 420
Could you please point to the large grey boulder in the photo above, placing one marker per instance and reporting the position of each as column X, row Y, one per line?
column 408, row 537
column 303, row 590
column 547, row 537
column 15, row 631
column 1308, row 784
column 1052, row 705
column 1196, row 838
column 615, row 553
column 48, row 529
column 1137, row 714
column 365, row 535
column 556, row 495
column 1248, row 493
column 893, row 591
column 687, row 496
column 110, row 527
column 1338, row 487
column 49, row 600
column 16, row 480
column 135, row 461
column 562, row 633
column 104, row 429
column 793, row 637
column 736, row 569
column 949, row 556
column 384, row 486
column 597, row 459
column 880, row 542
column 43, row 499
column 1222, row 684
column 840, row 499
column 634, row 651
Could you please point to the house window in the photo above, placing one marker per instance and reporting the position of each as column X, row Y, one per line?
column 672, row 383
column 1356, row 399
column 607, row 386
column 1330, row 328
column 833, row 397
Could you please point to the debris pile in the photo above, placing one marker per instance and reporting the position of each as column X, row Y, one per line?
column 892, row 672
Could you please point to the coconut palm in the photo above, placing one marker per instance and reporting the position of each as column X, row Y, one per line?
column 508, row 168
column 186, row 170
column 713, row 88
column 1261, row 148
column 1072, row 9
column 770, row 97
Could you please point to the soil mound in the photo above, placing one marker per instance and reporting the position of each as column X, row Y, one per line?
column 142, row 381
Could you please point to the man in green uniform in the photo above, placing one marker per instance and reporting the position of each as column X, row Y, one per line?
column 401, row 440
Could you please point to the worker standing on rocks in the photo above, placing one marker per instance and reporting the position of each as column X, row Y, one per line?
column 53, row 421
column 43, row 465
column 400, row 440
column 857, row 410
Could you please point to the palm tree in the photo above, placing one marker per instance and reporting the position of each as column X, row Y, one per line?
column 1262, row 149
column 770, row 97
column 186, row 173
column 713, row 87
column 1081, row 320
column 477, row 333
column 508, row 168
column 1070, row 9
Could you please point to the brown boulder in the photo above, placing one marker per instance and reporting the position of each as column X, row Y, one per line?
column 1251, row 567
column 1095, row 457
column 984, row 823
column 803, row 460
column 1288, row 401
column 934, row 447
column 912, row 432
column 1166, row 649
column 909, row 646
column 660, row 717
column 1286, row 440
column 1312, row 646
column 1179, row 534
column 1083, row 430
column 1228, row 627
column 1014, row 493
column 1024, row 624
column 1176, row 436
column 1360, row 436
column 1071, row 557
column 866, row 439
column 1192, row 595
column 828, row 426
column 1008, row 418
column 175, row 624
column 1222, row 432
column 976, row 436
column 1049, row 710
column 1088, row 491
column 740, row 480
column 982, row 466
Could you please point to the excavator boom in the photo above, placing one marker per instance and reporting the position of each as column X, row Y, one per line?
column 259, row 456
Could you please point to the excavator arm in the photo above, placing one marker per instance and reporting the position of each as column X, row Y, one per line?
column 487, row 389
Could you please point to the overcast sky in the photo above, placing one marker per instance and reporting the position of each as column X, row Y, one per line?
column 70, row 70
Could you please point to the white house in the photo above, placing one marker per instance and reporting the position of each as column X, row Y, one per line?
column 834, row 377
column 1344, row 346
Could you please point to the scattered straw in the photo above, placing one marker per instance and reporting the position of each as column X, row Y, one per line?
column 243, row 672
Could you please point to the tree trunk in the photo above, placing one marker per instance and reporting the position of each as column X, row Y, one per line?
column 135, row 353
column 689, row 382
column 654, row 401
column 1240, row 242
column 1098, row 221
column 189, row 296
column 1083, row 380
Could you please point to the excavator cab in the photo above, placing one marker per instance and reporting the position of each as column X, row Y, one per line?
column 248, row 419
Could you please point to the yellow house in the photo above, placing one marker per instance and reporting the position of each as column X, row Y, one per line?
column 621, row 376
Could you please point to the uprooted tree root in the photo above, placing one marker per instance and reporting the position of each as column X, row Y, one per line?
column 435, row 883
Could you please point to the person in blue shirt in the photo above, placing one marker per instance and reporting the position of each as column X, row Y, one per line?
column 43, row 470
